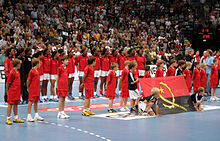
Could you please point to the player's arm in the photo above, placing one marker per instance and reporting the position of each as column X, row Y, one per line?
column 83, row 79
column 28, row 84
column 120, row 83
column 196, row 106
column 157, row 110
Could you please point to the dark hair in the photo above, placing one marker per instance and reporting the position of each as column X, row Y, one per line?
column 147, row 68
column 45, row 50
column 197, row 63
column 172, row 61
column 113, row 65
column 37, row 54
column 53, row 54
column 8, row 51
column 130, row 50
column 82, row 51
column 27, row 50
column 60, row 51
column 181, row 62
column 120, row 51
column 19, row 51
column 63, row 58
column 104, row 51
column 113, row 51
column 210, row 51
column 91, row 60
column 93, row 50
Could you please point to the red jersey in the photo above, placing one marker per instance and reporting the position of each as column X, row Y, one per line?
column 130, row 58
column 14, row 90
column 111, row 87
column 203, row 78
column 8, row 66
column 188, row 79
column 171, row 71
column 40, row 70
column 97, row 64
column 141, row 60
column 121, row 61
column 105, row 63
column 62, row 86
column 113, row 59
column 71, row 65
column 82, row 61
column 197, row 58
column 214, row 77
column 46, row 64
column 34, row 87
column 159, row 73
column 217, row 57
column 54, row 66
column 89, row 80
column 196, row 79
column 124, row 83
column 147, row 75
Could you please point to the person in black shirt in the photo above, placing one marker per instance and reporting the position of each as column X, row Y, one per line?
column 132, row 87
column 145, row 104
column 179, row 70
column 197, row 98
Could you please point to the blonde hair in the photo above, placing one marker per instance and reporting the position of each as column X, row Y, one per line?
column 188, row 64
column 203, row 65
column 155, row 91
column 201, row 89
column 159, row 62
column 113, row 65
column 127, row 63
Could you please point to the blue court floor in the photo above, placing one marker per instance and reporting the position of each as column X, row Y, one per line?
column 189, row 126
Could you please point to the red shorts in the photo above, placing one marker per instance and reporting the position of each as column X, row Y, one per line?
column 13, row 102
column 110, row 96
column 124, row 93
column 61, row 93
column 34, row 98
column 89, row 93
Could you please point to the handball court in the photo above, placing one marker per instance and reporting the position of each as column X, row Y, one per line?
column 188, row 126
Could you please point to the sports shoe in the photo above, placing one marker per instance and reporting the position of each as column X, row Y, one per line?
column 216, row 98
column 45, row 100
column 212, row 98
column 55, row 100
column 24, row 102
column 18, row 120
column 145, row 114
column 126, row 108
column 67, row 116
column 122, row 109
column 85, row 113
column 50, row 100
column 70, row 97
column 8, row 121
column 40, row 101
column 38, row 118
column 112, row 111
column 30, row 119
column 61, row 116
column 90, row 112
column 97, row 96
column 133, row 111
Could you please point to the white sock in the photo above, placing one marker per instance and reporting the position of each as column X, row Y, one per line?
column 55, row 97
column 51, row 97
column 16, row 117
column 8, row 118
column 62, row 112
column 36, row 114
column 84, row 110
column 94, row 93
column 88, row 109
column 80, row 94
column 29, row 115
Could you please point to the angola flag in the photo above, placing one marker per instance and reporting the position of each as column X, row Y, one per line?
column 174, row 96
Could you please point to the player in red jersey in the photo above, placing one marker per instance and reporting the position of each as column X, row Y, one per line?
column 97, row 72
column 187, row 76
column 33, row 86
column 203, row 79
column 214, row 80
column 62, row 86
column 111, row 85
column 88, row 83
column 171, row 70
column 81, row 60
column 46, row 76
column 8, row 67
column 218, row 67
column 121, row 60
column 53, row 75
column 71, row 72
column 14, row 92
column 197, row 57
column 196, row 77
column 123, row 87
column 147, row 72
column 160, row 65
column 141, row 60
column 105, row 67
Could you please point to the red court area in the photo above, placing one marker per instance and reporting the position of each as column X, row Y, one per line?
column 76, row 108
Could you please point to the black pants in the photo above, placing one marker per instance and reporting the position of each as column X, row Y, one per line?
column 5, row 96
column 24, row 92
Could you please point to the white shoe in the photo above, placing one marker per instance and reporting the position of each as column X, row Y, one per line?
column 38, row 118
column 67, row 116
column 122, row 109
column 216, row 98
column 61, row 116
column 30, row 119
column 127, row 109
column 212, row 98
